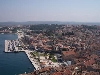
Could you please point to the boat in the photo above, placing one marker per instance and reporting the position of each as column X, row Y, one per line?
column 29, row 67
column 16, row 51
column 2, row 33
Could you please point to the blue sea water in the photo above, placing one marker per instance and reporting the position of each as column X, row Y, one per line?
column 13, row 63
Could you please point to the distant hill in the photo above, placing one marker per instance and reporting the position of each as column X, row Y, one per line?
column 47, row 22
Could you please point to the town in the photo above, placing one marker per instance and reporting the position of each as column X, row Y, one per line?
column 57, row 49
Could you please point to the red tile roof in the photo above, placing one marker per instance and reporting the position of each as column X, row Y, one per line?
column 89, row 62
column 66, row 53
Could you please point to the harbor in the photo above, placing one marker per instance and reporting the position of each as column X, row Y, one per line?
column 38, row 61
column 11, row 46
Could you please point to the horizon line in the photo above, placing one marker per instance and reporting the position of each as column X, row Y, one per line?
column 51, row 21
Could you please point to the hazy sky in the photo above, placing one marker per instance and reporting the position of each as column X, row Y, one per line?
column 50, row 10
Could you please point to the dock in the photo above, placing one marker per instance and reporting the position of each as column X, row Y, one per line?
column 6, row 46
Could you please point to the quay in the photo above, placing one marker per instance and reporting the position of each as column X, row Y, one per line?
column 11, row 46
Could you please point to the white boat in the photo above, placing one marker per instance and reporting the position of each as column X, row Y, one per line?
column 2, row 33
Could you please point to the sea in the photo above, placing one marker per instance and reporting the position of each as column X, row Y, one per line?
column 13, row 63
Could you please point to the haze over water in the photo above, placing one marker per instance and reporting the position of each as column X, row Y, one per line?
column 12, row 63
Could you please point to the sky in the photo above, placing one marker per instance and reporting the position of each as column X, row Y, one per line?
column 50, row 10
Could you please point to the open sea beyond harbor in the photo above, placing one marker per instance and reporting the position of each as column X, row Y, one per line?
column 13, row 63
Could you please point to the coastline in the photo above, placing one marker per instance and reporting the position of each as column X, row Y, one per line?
column 32, row 60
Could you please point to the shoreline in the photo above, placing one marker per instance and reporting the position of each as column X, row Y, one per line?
column 32, row 60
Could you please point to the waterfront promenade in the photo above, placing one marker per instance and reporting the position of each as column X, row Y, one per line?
column 33, row 61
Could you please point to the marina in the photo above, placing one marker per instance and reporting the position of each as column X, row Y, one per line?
column 10, row 46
